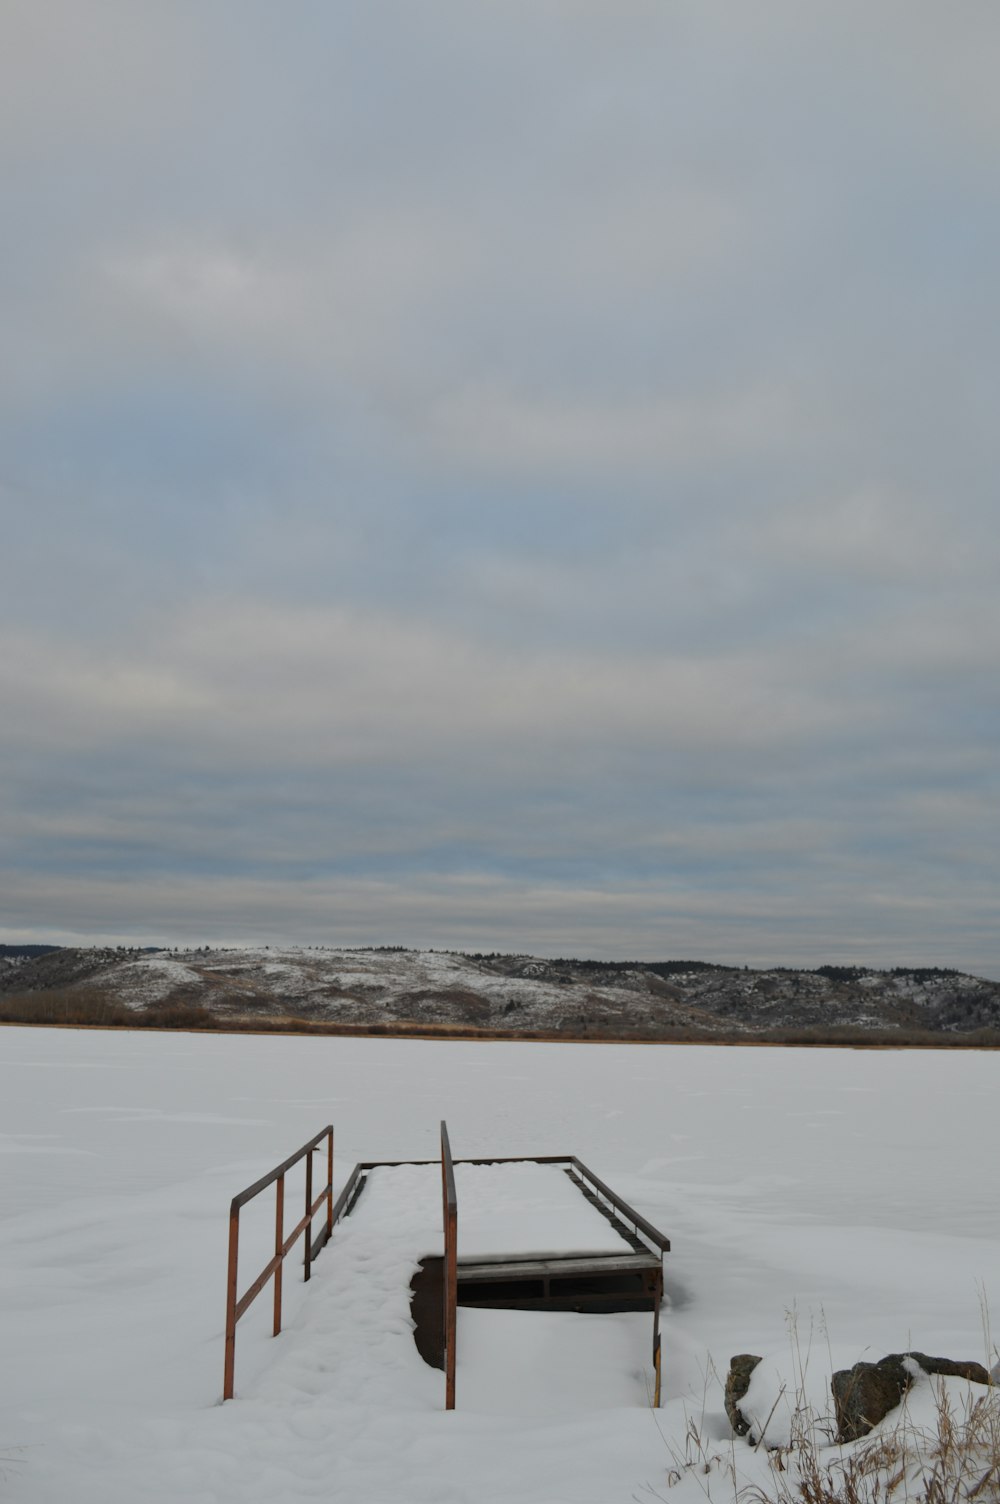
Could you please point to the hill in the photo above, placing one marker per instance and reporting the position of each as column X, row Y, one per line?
column 396, row 990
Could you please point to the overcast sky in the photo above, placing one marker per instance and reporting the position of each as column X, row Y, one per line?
column 511, row 474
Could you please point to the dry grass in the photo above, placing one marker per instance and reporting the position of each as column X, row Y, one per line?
column 955, row 1460
column 64, row 1005
column 85, row 1006
column 940, row 1446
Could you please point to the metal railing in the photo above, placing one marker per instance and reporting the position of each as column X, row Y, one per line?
column 449, row 1201
column 628, row 1214
column 237, row 1304
column 581, row 1172
column 645, row 1229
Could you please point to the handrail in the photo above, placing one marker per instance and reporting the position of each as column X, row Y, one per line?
column 341, row 1205
column 639, row 1222
column 449, row 1197
column 630, row 1214
column 236, row 1304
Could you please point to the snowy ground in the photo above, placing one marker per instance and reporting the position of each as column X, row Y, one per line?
column 356, row 984
column 852, row 1190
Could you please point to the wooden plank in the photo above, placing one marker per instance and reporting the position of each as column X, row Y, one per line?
column 613, row 1263
column 594, row 1304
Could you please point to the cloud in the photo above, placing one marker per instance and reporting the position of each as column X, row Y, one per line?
column 249, row 681
column 473, row 912
column 70, row 78
column 543, row 437
column 524, row 471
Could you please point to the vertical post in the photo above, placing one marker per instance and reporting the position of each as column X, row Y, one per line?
column 657, row 1366
column 450, row 1280
column 329, row 1187
column 279, row 1244
column 309, row 1201
column 451, row 1295
column 234, row 1254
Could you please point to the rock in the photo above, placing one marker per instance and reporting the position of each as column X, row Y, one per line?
column 955, row 1368
column 737, row 1384
column 864, row 1395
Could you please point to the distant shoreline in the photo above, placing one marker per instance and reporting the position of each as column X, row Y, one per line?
column 281, row 1028
column 393, row 993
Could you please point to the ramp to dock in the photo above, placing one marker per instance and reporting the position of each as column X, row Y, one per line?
column 544, row 1269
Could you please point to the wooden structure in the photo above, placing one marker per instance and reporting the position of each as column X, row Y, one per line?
column 626, row 1278
column 624, row 1274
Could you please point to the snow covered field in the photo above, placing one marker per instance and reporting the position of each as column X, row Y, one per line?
column 854, row 1190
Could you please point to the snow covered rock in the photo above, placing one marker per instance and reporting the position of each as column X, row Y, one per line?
column 783, row 1400
column 737, row 1383
column 864, row 1395
column 788, row 1400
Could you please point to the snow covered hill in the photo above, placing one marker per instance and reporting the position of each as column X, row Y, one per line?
column 518, row 995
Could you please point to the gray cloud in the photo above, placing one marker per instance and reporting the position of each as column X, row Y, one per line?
column 501, row 475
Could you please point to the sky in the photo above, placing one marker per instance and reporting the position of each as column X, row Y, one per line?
column 501, row 474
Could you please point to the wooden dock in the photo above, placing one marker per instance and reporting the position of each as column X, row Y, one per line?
column 526, row 1233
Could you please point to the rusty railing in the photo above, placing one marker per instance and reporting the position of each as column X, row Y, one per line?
column 628, row 1213
column 449, row 1198
column 588, row 1182
column 582, row 1174
column 236, row 1304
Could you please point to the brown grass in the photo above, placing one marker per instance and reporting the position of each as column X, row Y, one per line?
column 92, row 1007
column 73, row 1006
column 956, row 1461
column 953, row 1460
column 89, row 1007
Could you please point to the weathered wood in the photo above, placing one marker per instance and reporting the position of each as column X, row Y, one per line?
column 427, row 1310
column 556, row 1267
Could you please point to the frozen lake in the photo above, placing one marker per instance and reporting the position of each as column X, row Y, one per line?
column 851, row 1193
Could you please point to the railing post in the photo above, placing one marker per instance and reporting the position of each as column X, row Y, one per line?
column 236, row 1304
column 309, row 1201
column 450, row 1266
column 279, row 1243
column 657, row 1355
column 329, row 1187
column 231, row 1276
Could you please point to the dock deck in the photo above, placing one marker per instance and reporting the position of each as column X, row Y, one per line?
column 534, row 1234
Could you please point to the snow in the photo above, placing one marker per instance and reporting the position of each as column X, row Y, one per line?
column 337, row 982
column 824, row 1206
column 505, row 1211
column 790, row 1390
column 522, row 1211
